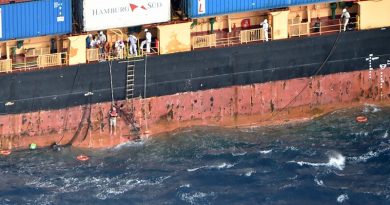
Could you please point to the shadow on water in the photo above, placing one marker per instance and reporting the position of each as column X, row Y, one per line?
column 330, row 160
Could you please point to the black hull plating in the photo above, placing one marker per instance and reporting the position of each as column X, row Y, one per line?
column 191, row 71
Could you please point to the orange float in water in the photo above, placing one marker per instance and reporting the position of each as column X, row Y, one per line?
column 361, row 119
column 82, row 157
column 5, row 152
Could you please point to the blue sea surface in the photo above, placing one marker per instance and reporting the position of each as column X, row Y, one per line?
column 329, row 160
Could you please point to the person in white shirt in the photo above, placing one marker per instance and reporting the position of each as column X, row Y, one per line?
column 148, row 40
column 102, row 37
column 346, row 17
column 119, row 46
column 265, row 26
column 133, row 44
column 102, row 41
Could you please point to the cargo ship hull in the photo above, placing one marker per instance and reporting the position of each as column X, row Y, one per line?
column 242, row 85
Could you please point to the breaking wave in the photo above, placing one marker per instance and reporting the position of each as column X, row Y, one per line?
column 239, row 154
column 249, row 173
column 265, row 151
column 319, row 182
column 342, row 198
column 370, row 108
column 218, row 166
column 386, row 134
column 369, row 155
column 130, row 144
column 196, row 198
column 336, row 160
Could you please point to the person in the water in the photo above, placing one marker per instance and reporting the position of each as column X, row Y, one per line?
column 55, row 147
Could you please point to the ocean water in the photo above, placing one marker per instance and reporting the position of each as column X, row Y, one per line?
column 329, row 160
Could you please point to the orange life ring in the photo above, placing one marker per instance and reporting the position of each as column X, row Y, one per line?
column 361, row 119
column 5, row 152
column 82, row 157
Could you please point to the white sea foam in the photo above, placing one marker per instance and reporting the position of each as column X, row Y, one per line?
column 217, row 166
column 130, row 144
column 386, row 134
column 342, row 198
column 118, row 186
column 249, row 173
column 292, row 148
column 336, row 160
column 239, row 154
column 194, row 169
column 40, row 183
column 371, row 108
column 318, row 182
column 369, row 155
column 195, row 198
column 265, row 151
column 185, row 186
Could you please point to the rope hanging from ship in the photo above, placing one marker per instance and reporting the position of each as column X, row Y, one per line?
column 65, row 124
column 86, row 117
column 86, row 114
column 311, row 79
column 111, row 85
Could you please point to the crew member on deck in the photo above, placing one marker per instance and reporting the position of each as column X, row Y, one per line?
column 346, row 17
column 133, row 44
column 113, row 115
column 147, row 41
column 265, row 28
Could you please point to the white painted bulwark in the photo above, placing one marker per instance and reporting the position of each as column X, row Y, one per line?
column 103, row 14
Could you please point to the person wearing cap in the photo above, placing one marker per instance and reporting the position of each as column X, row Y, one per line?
column 133, row 44
column 265, row 26
column 346, row 17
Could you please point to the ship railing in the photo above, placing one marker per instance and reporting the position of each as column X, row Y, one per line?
column 55, row 59
column 5, row 65
column 92, row 54
column 206, row 41
column 33, row 52
column 321, row 29
column 298, row 29
column 253, row 35
column 113, row 55
column 153, row 51
column 229, row 41
column 24, row 63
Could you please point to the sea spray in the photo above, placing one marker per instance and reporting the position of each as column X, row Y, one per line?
column 336, row 160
